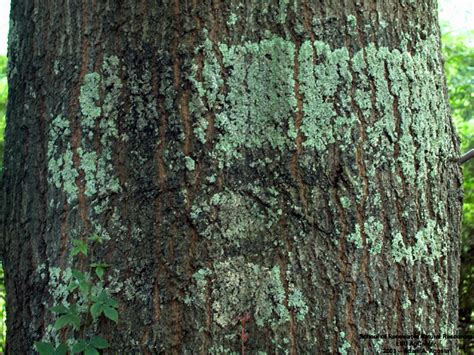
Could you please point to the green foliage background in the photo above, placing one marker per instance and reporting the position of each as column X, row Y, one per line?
column 459, row 67
column 3, row 108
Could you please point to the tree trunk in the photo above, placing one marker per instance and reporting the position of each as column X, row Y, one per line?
column 272, row 177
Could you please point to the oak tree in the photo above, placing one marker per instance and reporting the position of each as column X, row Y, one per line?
column 267, row 176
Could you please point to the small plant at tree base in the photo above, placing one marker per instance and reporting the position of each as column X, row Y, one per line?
column 91, row 302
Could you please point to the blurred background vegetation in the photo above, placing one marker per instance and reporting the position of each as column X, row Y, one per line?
column 3, row 108
column 458, row 52
column 459, row 68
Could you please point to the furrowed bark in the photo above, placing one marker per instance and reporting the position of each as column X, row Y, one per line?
column 292, row 160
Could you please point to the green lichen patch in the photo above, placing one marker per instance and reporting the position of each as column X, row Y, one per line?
column 206, row 91
column 96, row 119
column 258, row 109
column 190, row 163
column 240, row 286
column 88, row 101
column 429, row 244
column 374, row 234
column 297, row 302
column 58, row 282
column 373, row 230
column 321, row 85
column 344, row 344
column 237, row 221
column 260, row 98
column 100, row 119
column 62, row 173
column 282, row 10
column 232, row 19
column 426, row 245
column 356, row 237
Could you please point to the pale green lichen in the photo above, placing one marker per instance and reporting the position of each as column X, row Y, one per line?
column 363, row 93
column 62, row 173
column 219, row 349
column 88, row 99
column 241, row 221
column 373, row 230
column 260, row 99
column 402, row 127
column 232, row 19
column 377, row 344
column 399, row 250
column 317, row 113
column 261, row 88
column 381, row 133
column 356, row 237
column 282, row 10
column 201, row 279
column 322, row 123
column 429, row 245
column 406, row 304
column 345, row 202
column 207, row 90
column 351, row 21
column 429, row 242
column 211, row 179
column 297, row 301
column 89, row 166
column 190, row 163
column 240, row 286
column 69, row 175
column 58, row 282
column 100, row 178
column 374, row 234
column 113, row 85
column 212, row 80
column 345, row 346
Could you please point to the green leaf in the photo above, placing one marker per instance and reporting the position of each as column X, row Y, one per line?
column 99, row 343
column 90, row 350
column 96, row 238
column 61, row 322
column 103, row 297
column 61, row 349
column 73, row 308
column 75, row 251
column 84, row 286
column 111, row 313
column 68, row 319
column 79, row 275
column 112, row 302
column 79, row 247
column 75, row 321
column 72, row 286
column 44, row 348
column 99, row 272
column 96, row 310
column 79, row 346
column 59, row 309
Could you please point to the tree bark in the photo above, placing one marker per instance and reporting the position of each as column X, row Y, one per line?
column 290, row 160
